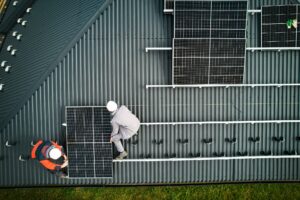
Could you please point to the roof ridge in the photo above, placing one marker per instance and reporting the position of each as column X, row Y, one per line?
column 54, row 64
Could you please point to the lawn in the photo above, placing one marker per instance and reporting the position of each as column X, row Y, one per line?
column 233, row 191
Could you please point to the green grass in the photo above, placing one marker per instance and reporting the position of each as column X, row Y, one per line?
column 236, row 191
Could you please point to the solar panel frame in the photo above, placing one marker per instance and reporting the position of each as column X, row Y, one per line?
column 106, row 160
column 240, row 32
column 283, row 42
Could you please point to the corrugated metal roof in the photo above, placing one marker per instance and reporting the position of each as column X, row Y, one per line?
column 51, row 27
column 12, row 13
column 109, row 62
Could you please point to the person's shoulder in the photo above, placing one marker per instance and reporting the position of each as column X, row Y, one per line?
column 123, row 107
column 41, row 143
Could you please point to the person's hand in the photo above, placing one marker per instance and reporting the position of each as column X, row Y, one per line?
column 110, row 140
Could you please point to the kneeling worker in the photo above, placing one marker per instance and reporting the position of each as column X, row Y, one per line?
column 124, row 126
column 51, row 156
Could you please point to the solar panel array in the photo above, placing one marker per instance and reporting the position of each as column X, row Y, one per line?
column 274, row 30
column 88, row 147
column 209, row 42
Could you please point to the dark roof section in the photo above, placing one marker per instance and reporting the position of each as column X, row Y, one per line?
column 53, row 26
column 3, row 8
column 109, row 62
column 2, row 38
column 13, row 13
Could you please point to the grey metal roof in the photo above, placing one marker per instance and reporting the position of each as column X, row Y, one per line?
column 12, row 13
column 109, row 62
column 51, row 28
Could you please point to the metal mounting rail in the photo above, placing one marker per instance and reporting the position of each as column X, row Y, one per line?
column 249, row 11
column 147, row 49
column 210, row 158
column 273, row 48
column 219, row 122
column 224, row 85
column 254, row 11
column 168, row 10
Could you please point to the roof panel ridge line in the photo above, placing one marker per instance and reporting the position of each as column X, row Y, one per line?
column 56, row 61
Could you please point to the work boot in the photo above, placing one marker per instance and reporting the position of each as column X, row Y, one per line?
column 122, row 155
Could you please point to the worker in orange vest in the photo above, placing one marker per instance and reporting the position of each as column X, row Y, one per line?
column 51, row 156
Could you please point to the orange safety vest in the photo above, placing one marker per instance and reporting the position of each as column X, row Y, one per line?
column 46, row 163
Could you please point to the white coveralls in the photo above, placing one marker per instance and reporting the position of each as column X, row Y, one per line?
column 124, row 126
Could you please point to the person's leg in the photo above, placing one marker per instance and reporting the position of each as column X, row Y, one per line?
column 116, row 139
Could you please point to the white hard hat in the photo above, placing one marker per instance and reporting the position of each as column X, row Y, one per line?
column 112, row 106
column 55, row 153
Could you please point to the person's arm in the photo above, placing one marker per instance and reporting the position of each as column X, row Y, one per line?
column 115, row 129
column 66, row 161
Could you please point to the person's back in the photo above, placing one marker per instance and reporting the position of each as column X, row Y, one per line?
column 51, row 156
column 124, row 125
column 128, row 123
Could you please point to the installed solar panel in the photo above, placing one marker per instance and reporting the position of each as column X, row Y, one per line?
column 274, row 27
column 88, row 147
column 209, row 42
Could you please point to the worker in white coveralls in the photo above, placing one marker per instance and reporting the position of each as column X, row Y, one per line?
column 124, row 126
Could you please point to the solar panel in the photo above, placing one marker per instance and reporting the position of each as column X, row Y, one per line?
column 274, row 29
column 88, row 142
column 209, row 42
